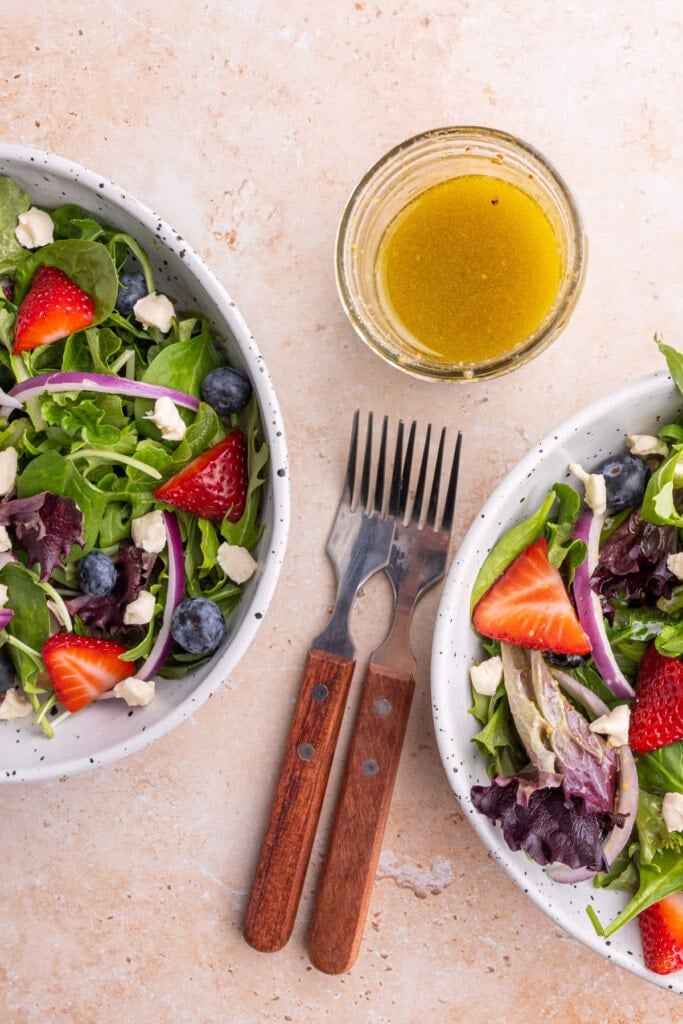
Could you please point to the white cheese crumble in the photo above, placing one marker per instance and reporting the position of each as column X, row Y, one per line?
column 236, row 562
column 646, row 444
column 4, row 594
column 5, row 542
column 674, row 564
column 166, row 417
column 672, row 811
column 14, row 706
column 487, row 676
column 595, row 489
column 8, row 470
column 140, row 611
column 154, row 311
column 148, row 532
column 35, row 228
column 136, row 692
column 614, row 725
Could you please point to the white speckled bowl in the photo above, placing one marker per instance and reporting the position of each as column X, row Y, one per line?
column 107, row 731
column 587, row 438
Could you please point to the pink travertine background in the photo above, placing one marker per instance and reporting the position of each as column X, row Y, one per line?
column 245, row 125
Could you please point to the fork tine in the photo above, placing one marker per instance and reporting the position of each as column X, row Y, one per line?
column 405, row 471
column 422, row 478
column 365, row 471
column 436, row 480
column 381, row 468
column 395, row 492
column 449, row 503
column 350, row 480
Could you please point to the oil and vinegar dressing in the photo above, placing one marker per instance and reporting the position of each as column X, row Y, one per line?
column 471, row 267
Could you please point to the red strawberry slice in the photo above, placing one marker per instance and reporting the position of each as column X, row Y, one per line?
column 83, row 667
column 657, row 708
column 529, row 606
column 52, row 308
column 213, row 484
column 661, row 931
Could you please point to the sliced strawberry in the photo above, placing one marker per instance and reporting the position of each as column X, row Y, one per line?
column 213, row 484
column 52, row 308
column 529, row 606
column 83, row 667
column 661, row 931
column 657, row 708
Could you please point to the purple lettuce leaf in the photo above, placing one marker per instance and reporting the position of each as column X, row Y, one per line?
column 46, row 525
column 548, row 827
column 632, row 562
column 133, row 568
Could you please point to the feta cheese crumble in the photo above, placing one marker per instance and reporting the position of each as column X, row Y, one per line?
column 672, row 811
column 8, row 470
column 35, row 228
column 646, row 444
column 140, row 611
column 148, row 532
column 13, row 706
column 595, row 488
column 155, row 311
column 236, row 562
column 5, row 542
column 674, row 564
column 136, row 692
column 487, row 676
column 166, row 417
column 614, row 725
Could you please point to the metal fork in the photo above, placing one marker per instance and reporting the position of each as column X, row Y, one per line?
column 358, row 546
column 418, row 557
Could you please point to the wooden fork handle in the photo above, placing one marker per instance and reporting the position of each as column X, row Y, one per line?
column 347, row 877
column 299, row 792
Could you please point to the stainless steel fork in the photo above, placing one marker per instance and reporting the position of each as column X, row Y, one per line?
column 417, row 560
column 358, row 546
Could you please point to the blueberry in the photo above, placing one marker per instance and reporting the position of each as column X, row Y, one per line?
column 96, row 574
column 226, row 390
column 132, row 286
column 626, row 478
column 566, row 661
column 7, row 673
column 198, row 625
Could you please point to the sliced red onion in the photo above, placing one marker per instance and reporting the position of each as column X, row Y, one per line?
column 627, row 791
column 174, row 595
column 589, row 611
column 8, row 401
column 104, row 383
column 5, row 615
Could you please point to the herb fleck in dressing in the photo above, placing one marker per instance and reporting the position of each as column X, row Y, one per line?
column 471, row 268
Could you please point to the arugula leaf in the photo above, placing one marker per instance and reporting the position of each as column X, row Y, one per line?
column 247, row 531
column 674, row 361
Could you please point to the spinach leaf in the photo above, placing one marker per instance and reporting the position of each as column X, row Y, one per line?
column 662, row 877
column 510, row 545
column 661, row 771
column 658, row 502
column 12, row 202
column 560, row 530
column 85, row 262
column 30, row 623
column 52, row 472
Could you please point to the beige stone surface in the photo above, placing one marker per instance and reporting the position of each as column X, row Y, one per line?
column 245, row 124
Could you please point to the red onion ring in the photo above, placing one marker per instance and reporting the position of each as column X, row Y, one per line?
column 104, row 383
column 174, row 595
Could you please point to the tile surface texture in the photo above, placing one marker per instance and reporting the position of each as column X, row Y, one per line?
column 245, row 125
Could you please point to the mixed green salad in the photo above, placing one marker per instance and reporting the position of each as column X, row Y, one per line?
column 579, row 699
column 131, row 466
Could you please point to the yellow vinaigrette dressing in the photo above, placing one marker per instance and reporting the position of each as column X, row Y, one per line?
column 471, row 267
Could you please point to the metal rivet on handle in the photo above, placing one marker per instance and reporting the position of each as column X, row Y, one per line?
column 369, row 767
column 320, row 692
column 383, row 707
column 306, row 751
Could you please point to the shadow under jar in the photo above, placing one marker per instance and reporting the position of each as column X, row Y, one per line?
column 460, row 254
